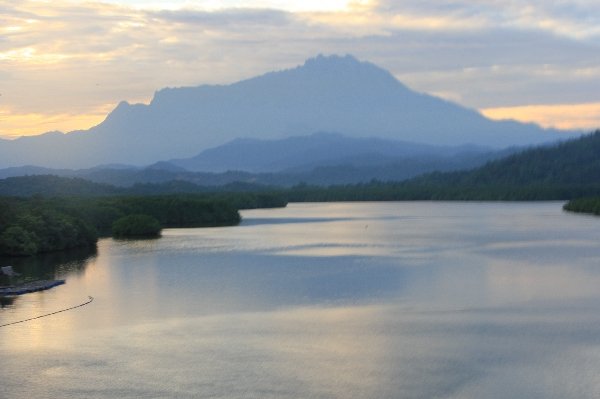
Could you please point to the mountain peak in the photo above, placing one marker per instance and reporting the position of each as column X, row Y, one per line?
column 327, row 93
column 332, row 60
column 339, row 64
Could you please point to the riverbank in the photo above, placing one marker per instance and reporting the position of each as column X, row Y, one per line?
column 33, row 225
column 32, row 286
column 584, row 205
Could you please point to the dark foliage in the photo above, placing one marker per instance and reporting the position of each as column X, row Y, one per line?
column 38, row 224
column 31, row 226
column 35, row 224
column 169, row 210
column 584, row 205
column 136, row 226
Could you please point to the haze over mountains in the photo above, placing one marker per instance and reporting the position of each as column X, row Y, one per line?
column 321, row 158
column 304, row 153
column 567, row 170
column 332, row 94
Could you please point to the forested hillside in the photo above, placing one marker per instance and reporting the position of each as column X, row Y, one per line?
column 574, row 162
column 584, row 205
column 564, row 171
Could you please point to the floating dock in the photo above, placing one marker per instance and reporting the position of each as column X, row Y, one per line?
column 34, row 286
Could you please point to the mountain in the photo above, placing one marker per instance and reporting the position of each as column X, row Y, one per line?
column 335, row 94
column 304, row 153
column 30, row 170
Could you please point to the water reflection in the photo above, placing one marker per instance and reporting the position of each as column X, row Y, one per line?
column 52, row 265
column 276, row 220
column 6, row 301
column 377, row 351
column 410, row 300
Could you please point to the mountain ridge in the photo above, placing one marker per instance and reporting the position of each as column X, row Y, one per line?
column 301, row 153
column 326, row 93
column 561, row 171
column 573, row 162
column 321, row 158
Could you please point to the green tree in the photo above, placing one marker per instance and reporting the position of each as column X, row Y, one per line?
column 17, row 241
column 136, row 226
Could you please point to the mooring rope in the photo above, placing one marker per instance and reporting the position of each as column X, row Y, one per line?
column 90, row 299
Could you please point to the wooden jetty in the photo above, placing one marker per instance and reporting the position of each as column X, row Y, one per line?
column 33, row 286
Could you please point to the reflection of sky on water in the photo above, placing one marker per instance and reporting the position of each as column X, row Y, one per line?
column 342, row 352
column 410, row 300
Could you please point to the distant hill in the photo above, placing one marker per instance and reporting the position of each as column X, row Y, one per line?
column 562, row 171
column 320, row 159
column 333, row 94
column 59, row 186
column 304, row 153
column 49, row 186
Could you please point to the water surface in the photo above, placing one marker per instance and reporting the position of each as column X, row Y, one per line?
column 340, row 300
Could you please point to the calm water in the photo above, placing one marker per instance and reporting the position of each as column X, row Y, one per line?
column 359, row 300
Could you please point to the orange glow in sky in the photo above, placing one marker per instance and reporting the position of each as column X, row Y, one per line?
column 65, row 64
column 17, row 125
column 563, row 116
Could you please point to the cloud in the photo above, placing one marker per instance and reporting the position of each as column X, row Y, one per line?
column 70, row 57
column 241, row 18
column 576, row 19
column 13, row 125
column 563, row 116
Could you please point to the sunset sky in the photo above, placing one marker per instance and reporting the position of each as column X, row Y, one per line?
column 65, row 64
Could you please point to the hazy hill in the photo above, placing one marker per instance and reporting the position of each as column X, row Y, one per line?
column 337, row 94
column 567, row 170
column 304, row 153
column 321, row 159
column 49, row 185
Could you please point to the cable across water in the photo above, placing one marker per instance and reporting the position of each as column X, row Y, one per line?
column 90, row 299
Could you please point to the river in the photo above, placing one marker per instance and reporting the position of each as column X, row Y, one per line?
column 336, row 300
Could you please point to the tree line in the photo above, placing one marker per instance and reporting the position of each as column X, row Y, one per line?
column 584, row 205
column 35, row 224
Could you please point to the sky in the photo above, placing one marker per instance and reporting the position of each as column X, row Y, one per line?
column 65, row 64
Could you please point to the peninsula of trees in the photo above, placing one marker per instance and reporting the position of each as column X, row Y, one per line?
column 35, row 224
column 584, row 205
